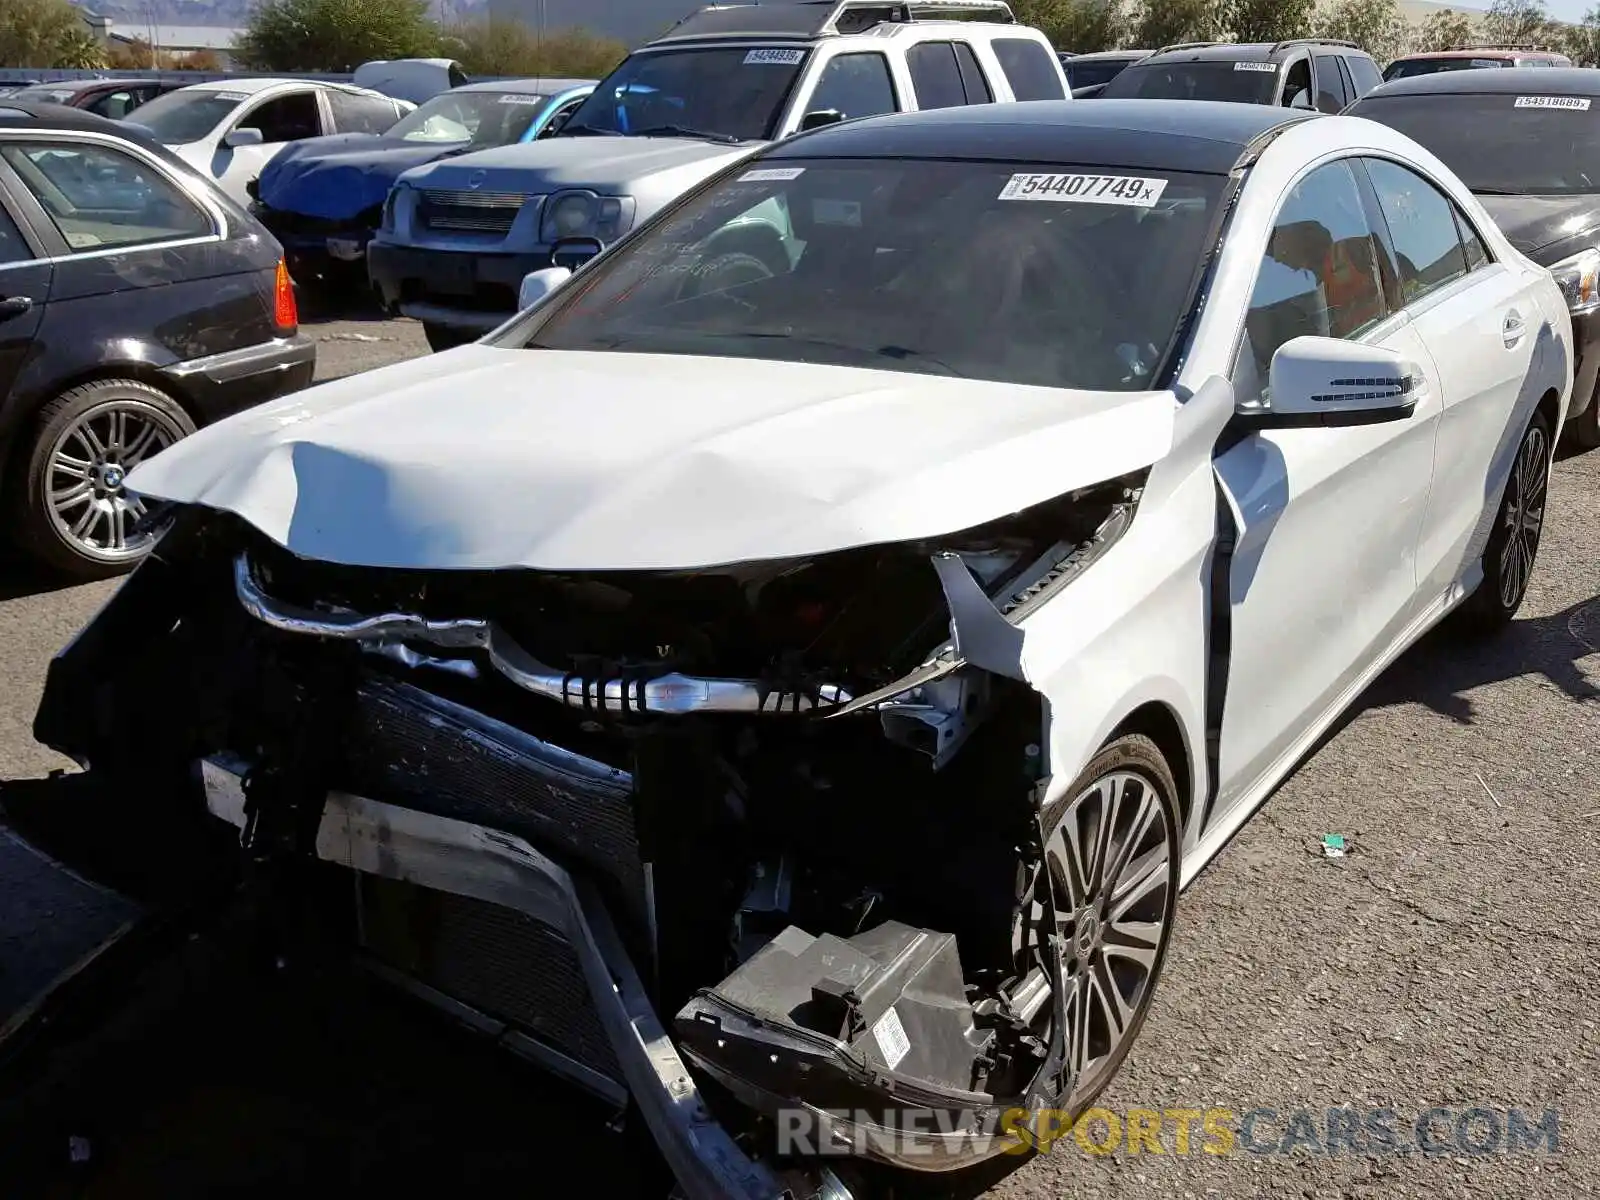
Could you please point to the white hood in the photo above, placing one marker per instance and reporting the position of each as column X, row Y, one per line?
column 485, row 458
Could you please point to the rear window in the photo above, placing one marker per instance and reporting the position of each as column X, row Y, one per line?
column 1502, row 142
column 1092, row 74
column 1244, row 82
column 361, row 114
column 1034, row 73
column 982, row 270
column 1407, row 68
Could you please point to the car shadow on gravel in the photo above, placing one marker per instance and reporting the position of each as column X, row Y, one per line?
column 21, row 577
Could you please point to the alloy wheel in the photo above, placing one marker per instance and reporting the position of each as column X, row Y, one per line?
column 89, row 464
column 1112, row 872
column 1522, row 515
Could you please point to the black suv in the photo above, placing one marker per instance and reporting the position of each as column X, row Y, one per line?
column 1309, row 73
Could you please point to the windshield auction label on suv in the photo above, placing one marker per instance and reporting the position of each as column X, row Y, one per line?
column 781, row 58
column 1578, row 103
column 1085, row 189
column 1271, row 68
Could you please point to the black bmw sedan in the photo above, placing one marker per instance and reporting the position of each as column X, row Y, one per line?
column 137, row 303
column 1527, row 142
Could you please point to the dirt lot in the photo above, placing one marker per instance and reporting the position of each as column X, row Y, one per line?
column 1447, row 960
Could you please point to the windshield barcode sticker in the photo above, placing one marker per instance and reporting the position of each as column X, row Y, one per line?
column 1576, row 103
column 891, row 1037
column 1268, row 68
column 513, row 98
column 779, row 58
column 772, row 175
column 235, row 96
column 1085, row 189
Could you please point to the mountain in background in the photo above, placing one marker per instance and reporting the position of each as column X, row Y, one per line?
column 233, row 14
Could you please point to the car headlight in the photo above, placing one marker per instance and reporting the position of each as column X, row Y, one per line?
column 586, row 215
column 390, row 202
column 1578, row 278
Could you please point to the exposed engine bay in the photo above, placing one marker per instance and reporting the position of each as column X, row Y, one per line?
column 773, row 799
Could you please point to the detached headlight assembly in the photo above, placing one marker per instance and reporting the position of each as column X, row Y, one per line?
column 585, row 215
column 1578, row 278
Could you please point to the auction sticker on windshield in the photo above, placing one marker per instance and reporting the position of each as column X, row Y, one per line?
column 772, row 175
column 781, row 58
column 1270, row 68
column 235, row 96
column 1086, row 189
column 1576, row 103
column 520, row 98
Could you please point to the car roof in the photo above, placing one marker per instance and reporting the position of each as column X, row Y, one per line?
column 1540, row 81
column 526, row 87
column 1247, row 51
column 810, row 20
column 250, row 87
column 1481, row 52
column 1203, row 136
column 1112, row 56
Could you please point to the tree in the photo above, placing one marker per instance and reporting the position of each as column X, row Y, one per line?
column 1512, row 22
column 1444, row 30
column 335, row 35
column 1267, row 20
column 1374, row 25
column 1581, row 42
column 503, row 46
column 45, row 33
column 1082, row 26
column 1160, row 23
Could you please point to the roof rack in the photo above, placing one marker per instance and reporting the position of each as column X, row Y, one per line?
column 901, row 12
column 802, row 20
column 1187, row 46
column 1506, row 46
column 1285, row 44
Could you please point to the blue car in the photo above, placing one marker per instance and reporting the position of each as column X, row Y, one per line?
column 322, row 197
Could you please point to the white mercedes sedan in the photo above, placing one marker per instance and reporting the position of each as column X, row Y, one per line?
column 810, row 648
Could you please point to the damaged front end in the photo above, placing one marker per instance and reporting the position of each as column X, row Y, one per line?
column 775, row 799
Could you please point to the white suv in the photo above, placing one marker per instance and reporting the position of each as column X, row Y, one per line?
column 458, row 235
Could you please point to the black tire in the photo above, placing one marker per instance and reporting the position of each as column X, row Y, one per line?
column 445, row 337
column 41, row 530
column 1491, row 607
column 1136, row 757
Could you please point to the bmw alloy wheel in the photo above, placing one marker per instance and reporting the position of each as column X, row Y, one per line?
column 89, row 464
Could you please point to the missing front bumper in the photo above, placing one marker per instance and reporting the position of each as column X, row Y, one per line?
column 495, row 868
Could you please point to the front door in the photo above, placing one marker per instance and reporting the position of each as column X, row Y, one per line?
column 1323, row 573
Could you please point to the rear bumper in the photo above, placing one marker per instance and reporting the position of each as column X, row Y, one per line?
column 451, row 287
column 468, row 860
column 220, row 385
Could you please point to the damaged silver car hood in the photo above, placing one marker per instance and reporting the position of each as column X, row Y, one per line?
column 486, row 458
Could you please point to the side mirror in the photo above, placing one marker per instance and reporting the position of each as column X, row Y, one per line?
column 572, row 253
column 1302, row 100
column 1088, row 93
column 1329, row 381
column 817, row 118
column 244, row 136
column 536, row 285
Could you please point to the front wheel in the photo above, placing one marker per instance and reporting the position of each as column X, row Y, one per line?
column 445, row 337
column 1514, row 541
column 74, row 512
column 1112, row 864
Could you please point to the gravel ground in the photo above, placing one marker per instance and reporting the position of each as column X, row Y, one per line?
column 1445, row 961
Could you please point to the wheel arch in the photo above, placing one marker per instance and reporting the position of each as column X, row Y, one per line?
column 1157, row 721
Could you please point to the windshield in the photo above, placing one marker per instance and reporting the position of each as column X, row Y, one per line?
column 1057, row 276
column 1089, row 74
column 1409, row 67
column 481, row 118
column 187, row 116
column 1549, row 145
column 1245, row 82
column 732, row 94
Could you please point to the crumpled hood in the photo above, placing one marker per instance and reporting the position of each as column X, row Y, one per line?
column 606, row 164
column 343, row 175
column 484, row 458
column 1533, row 222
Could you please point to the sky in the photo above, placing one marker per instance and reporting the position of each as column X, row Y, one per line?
column 1568, row 10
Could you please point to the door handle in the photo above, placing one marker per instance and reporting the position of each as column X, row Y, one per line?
column 1513, row 329
column 15, row 306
